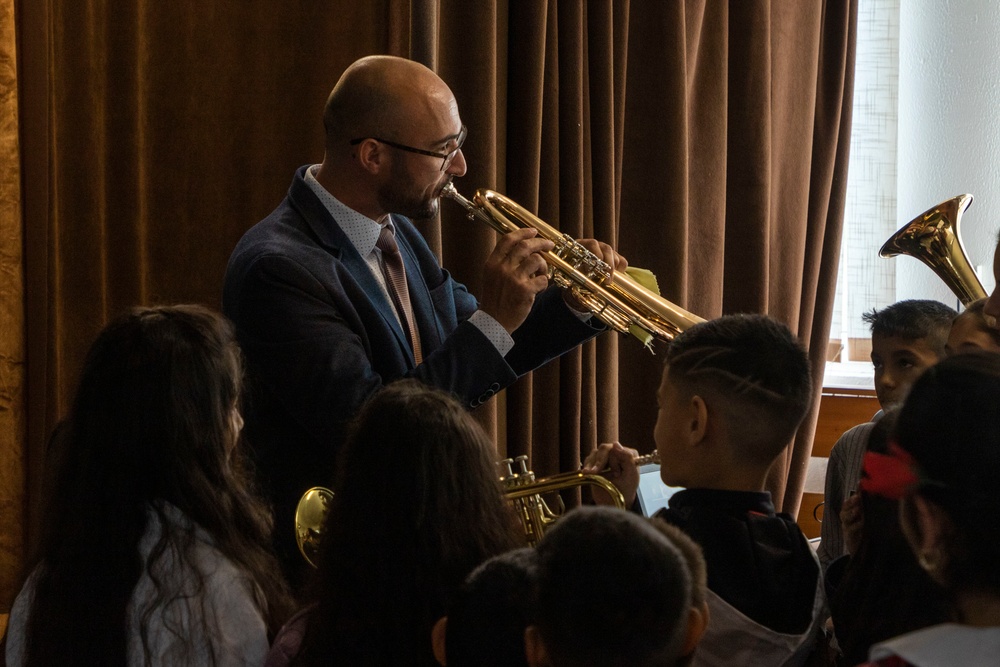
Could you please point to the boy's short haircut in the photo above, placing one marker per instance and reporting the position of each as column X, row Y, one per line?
column 913, row 319
column 612, row 591
column 693, row 557
column 487, row 617
column 753, row 371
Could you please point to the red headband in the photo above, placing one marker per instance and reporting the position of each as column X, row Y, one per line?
column 891, row 475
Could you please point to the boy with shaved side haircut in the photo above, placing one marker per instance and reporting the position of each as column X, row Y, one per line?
column 733, row 394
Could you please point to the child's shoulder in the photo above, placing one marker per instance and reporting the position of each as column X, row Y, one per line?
column 855, row 435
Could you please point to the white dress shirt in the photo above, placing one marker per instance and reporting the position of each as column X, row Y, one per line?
column 363, row 233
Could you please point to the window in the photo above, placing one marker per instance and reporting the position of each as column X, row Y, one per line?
column 924, row 130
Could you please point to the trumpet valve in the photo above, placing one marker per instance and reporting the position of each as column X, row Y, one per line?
column 509, row 463
column 576, row 255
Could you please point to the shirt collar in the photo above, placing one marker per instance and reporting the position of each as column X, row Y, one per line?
column 361, row 230
column 757, row 502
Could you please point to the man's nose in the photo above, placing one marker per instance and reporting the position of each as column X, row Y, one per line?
column 458, row 166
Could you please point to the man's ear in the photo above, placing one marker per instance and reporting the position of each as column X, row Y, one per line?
column 438, row 633
column 534, row 648
column 371, row 155
column 697, row 419
column 697, row 624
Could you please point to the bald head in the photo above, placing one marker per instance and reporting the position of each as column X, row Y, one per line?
column 387, row 97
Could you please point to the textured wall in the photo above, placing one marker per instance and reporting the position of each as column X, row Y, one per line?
column 949, row 137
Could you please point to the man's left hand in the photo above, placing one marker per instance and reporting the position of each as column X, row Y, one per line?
column 606, row 254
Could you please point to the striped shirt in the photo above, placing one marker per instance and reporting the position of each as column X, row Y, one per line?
column 843, row 472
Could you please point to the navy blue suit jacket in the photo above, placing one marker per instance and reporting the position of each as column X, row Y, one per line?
column 320, row 338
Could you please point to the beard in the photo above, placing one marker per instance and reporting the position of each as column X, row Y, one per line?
column 403, row 196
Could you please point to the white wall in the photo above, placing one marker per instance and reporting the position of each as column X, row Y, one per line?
column 949, row 128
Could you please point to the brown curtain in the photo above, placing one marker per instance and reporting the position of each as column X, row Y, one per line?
column 707, row 140
column 12, row 479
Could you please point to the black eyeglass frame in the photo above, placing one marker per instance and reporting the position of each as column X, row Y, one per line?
column 446, row 158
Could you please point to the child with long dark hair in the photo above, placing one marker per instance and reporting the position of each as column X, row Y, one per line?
column 943, row 465
column 879, row 590
column 155, row 549
column 417, row 506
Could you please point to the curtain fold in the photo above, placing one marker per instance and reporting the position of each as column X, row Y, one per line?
column 706, row 140
column 12, row 426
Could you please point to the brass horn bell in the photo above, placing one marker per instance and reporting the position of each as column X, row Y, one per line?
column 934, row 239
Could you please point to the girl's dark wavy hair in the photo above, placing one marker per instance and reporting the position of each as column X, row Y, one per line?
column 150, row 422
column 417, row 506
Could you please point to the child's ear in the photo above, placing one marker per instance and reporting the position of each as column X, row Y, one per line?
column 697, row 419
column 929, row 540
column 697, row 624
column 438, row 633
column 534, row 648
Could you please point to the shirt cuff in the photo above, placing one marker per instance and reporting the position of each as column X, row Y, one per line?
column 493, row 331
column 583, row 316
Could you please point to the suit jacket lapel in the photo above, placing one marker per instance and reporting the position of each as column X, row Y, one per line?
column 331, row 237
column 359, row 268
column 431, row 335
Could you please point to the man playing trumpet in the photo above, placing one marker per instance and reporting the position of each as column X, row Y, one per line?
column 336, row 294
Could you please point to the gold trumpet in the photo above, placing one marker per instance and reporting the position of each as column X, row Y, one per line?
column 933, row 238
column 523, row 491
column 612, row 296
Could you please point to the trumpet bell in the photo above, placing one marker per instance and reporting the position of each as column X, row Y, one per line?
column 309, row 516
column 933, row 237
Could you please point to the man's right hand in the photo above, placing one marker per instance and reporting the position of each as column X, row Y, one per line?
column 514, row 273
column 617, row 464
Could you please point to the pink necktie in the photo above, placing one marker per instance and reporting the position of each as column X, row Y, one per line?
column 395, row 276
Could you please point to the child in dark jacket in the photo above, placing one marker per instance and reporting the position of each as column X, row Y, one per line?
column 733, row 394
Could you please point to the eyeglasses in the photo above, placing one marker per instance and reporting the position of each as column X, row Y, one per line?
column 446, row 158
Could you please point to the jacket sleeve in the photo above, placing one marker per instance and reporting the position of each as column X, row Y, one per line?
column 323, row 350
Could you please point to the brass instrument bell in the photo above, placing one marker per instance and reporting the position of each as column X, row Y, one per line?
column 933, row 238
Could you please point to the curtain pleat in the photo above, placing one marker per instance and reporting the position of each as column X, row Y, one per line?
column 12, row 351
column 706, row 140
column 830, row 151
